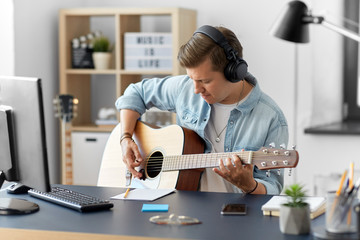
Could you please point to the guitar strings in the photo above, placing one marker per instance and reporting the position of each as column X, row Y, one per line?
column 157, row 163
column 207, row 158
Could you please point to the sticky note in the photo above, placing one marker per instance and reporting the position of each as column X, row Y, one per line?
column 155, row 208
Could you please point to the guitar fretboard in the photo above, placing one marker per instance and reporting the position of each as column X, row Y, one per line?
column 264, row 159
column 193, row 161
column 67, row 173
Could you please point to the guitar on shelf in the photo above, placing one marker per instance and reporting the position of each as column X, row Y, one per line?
column 169, row 154
column 65, row 106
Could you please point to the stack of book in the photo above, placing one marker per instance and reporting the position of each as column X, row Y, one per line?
column 272, row 207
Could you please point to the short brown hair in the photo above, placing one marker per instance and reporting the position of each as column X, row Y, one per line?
column 200, row 46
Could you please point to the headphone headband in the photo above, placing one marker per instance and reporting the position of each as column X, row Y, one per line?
column 219, row 39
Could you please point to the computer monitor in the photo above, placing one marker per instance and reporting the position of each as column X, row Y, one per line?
column 23, row 152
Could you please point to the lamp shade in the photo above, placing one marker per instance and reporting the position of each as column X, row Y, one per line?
column 290, row 25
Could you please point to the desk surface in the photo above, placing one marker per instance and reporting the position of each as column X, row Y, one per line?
column 126, row 218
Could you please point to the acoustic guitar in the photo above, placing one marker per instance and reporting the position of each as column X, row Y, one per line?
column 65, row 106
column 174, row 158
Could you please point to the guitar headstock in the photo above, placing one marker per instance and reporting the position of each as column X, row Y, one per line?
column 65, row 107
column 273, row 158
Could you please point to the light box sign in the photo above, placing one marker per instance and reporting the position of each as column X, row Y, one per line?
column 148, row 51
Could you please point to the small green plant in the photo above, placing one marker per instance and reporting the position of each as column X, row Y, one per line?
column 101, row 44
column 296, row 195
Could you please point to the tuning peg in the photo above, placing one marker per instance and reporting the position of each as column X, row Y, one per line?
column 272, row 145
column 293, row 147
column 290, row 170
column 283, row 146
column 268, row 173
column 278, row 172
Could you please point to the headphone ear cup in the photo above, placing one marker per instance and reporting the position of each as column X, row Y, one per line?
column 229, row 72
column 236, row 71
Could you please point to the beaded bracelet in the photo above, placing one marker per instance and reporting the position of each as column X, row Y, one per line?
column 254, row 187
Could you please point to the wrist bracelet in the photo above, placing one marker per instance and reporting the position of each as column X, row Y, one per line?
column 254, row 187
column 125, row 135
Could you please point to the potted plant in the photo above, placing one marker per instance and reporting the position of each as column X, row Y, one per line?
column 295, row 214
column 101, row 52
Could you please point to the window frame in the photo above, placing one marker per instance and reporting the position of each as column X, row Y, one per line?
column 351, row 65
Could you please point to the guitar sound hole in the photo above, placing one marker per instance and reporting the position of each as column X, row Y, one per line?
column 154, row 164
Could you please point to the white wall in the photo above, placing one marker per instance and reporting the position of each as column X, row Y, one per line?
column 271, row 60
column 7, row 39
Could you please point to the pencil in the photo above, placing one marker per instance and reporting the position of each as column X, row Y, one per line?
column 127, row 192
column 337, row 195
column 351, row 175
column 341, row 183
column 351, row 185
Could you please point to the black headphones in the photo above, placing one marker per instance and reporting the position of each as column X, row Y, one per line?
column 236, row 69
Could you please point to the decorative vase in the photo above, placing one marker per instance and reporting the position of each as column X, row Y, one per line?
column 295, row 220
column 101, row 60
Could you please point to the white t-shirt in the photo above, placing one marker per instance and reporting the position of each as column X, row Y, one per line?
column 220, row 113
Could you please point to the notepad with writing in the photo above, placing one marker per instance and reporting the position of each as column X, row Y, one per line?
column 272, row 207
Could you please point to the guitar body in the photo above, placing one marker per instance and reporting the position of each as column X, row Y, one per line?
column 153, row 143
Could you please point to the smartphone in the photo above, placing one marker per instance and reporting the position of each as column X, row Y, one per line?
column 234, row 209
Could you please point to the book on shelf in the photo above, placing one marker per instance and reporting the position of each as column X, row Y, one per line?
column 272, row 207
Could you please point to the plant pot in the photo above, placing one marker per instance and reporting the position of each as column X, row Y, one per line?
column 101, row 60
column 295, row 220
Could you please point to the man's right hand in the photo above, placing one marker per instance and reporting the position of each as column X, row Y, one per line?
column 131, row 156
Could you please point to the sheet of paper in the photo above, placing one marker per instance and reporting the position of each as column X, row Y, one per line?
column 144, row 194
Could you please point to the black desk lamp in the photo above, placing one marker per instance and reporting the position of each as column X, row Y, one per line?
column 293, row 24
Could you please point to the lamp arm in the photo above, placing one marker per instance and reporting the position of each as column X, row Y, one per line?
column 341, row 30
column 331, row 26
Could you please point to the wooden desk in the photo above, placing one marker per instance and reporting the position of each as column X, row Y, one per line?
column 126, row 221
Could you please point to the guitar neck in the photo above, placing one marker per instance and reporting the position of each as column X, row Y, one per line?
column 209, row 160
column 264, row 159
column 66, row 156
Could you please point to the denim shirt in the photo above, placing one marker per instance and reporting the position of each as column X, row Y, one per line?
column 255, row 123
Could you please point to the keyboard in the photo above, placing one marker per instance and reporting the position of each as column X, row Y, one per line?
column 72, row 199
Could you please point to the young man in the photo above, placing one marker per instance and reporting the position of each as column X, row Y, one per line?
column 221, row 102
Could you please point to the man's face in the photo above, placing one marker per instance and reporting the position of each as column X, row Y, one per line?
column 211, row 85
